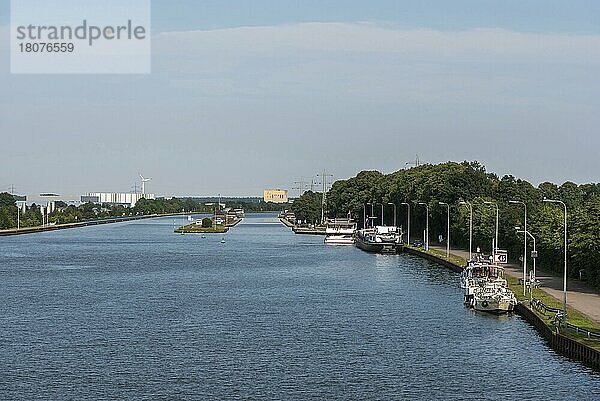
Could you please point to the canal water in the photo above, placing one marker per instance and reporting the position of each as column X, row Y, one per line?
column 133, row 311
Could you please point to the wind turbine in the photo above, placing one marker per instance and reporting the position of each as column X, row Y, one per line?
column 144, row 181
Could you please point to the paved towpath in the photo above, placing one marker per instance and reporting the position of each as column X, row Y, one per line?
column 580, row 295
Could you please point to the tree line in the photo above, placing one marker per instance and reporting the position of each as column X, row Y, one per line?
column 454, row 183
column 31, row 216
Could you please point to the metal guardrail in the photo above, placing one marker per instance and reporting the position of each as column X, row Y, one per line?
column 559, row 318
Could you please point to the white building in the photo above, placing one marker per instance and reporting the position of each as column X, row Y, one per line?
column 115, row 198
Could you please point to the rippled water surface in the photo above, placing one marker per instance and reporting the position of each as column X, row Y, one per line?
column 133, row 311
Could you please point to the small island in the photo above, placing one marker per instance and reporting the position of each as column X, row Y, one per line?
column 205, row 226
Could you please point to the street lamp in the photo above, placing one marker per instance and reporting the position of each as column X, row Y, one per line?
column 566, row 252
column 470, row 227
column 497, row 214
column 408, row 222
column 426, row 224
column 516, row 202
column 533, row 256
column 393, row 204
column 448, row 230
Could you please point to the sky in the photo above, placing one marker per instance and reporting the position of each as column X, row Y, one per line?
column 251, row 95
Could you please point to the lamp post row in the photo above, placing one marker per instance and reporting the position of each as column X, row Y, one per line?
column 496, row 246
column 382, row 210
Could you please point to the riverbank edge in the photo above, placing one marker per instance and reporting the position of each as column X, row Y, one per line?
column 560, row 343
column 302, row 230
column 40, row 229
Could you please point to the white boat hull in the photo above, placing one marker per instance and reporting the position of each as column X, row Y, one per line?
column 493, row 305
column 339, row 240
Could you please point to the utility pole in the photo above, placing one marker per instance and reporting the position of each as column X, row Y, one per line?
column 300, row 187
column 324, row 180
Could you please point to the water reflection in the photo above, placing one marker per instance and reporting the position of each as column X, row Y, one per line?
column 267, row 315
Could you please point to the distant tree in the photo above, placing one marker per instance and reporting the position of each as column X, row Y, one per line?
column 5, row 219
column 207, row 222
column 7, row 200
column 451, row 182
column 308, row 207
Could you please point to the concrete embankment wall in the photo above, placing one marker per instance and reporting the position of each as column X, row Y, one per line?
column 286, row 222
column 235, row 222
column 433, row 258
column 560, row 343
column 301, row 230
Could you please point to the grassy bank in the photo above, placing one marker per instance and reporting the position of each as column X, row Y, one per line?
column 573, row 315
column 198, row 229
column 457, row 260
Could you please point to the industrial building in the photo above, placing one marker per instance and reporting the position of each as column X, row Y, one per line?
column 276, row 195
column 115, row 198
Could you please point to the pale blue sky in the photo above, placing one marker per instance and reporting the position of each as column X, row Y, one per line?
column 520, row 15
column 246, row 95
column 578, row 16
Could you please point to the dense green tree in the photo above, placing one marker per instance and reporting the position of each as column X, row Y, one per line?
column 308, row 207
column 7, row 200
column 451, row 182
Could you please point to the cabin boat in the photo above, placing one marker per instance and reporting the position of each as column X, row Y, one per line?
column 340, row 232
column 380, row 239
column 494, row 299
column 485, row 288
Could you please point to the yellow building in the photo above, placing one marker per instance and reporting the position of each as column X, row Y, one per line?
column 276, row 195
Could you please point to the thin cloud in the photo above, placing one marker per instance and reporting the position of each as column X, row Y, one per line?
column 472, row 45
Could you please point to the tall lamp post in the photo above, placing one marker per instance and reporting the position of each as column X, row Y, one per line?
column 527, row 233
column 408, row 222
column 394, row 205
column 497, row 214
column 447, row 230
column 470, row 227
column 426, row 224
column 516, row 202
column 566, row 253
